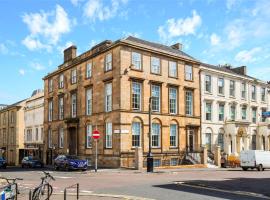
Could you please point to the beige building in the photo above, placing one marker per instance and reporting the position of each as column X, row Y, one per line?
column 34, row 117
column 108, row 88
column 12, row 132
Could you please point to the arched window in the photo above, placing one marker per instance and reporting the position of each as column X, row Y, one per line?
column 208, row 138
column 136, row 129
column 221, row 139
column 173, row 134
column 156, row 133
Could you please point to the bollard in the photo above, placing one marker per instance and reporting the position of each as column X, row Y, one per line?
column 77, row 190
column 30, row 194
column 65, row 194
column 16, row 190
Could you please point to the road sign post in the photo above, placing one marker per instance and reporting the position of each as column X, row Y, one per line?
column 96, row 136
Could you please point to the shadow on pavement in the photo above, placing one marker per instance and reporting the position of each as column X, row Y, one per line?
column 248, row 187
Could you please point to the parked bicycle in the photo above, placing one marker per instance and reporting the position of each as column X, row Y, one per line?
column 44, row 190
column 9, row 191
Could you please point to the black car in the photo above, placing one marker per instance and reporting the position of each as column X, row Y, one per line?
column 3, row 163
column 68, row 162
column 31, row 162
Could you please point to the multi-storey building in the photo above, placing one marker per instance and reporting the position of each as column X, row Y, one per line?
column 34, row 117
column 2, row 106
column 108, row 88
column 12, row 132
column 232, row 106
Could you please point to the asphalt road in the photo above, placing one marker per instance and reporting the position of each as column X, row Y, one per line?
column 163, row 184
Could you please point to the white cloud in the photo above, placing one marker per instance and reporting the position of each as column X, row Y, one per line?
column 37, row 66
column 230, row 4
column 3, row 49
column 63, row 47
column 180, row 27
column 95, row 9
column 22, row 72
column 46, row 28
column 214, row 39
column 248, row 56
column 75, row 2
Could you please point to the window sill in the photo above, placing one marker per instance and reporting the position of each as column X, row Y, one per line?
column 174, row 77
column 137, row 70
column 158, row 74
column 206, row 92
column 189, row 80
column 233, row 97
column 221, row 95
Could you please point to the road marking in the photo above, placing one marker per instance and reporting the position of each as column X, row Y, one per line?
column 251, row 194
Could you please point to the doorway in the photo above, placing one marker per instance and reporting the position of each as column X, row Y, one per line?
column 191, row 139
column 72, row 141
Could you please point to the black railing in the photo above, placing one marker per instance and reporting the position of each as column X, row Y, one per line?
column 72, row 186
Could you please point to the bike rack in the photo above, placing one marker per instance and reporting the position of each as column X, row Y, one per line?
column 72, row 186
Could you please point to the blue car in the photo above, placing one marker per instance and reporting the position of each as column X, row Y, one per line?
column 32, row 162
column 3, row 163
column 68, row 162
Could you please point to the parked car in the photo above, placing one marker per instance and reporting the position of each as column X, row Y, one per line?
column 3, row 163
column 32, row 162
column 252, row 159
column 69, row 162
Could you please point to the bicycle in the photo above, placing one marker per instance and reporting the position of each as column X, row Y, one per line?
column 10, row 191
column 39, row 192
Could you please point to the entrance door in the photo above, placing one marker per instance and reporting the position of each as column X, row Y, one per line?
column 72, row 141
column 191, row 140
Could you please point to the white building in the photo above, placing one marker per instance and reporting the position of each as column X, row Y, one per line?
column 232, row 105
column 33, row 117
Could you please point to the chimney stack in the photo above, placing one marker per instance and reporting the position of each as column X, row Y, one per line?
column 70, row 53
column 177, row 46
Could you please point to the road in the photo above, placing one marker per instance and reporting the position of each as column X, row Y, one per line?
column 163, row 184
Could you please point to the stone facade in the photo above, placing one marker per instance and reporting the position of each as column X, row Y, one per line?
column 67, row 134
column 241, row 126
column 12, row 132
column 34, row 118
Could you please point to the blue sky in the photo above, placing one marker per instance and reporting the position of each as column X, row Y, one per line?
column 34, row 33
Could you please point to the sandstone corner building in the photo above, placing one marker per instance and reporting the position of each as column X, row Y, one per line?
column 108, row 88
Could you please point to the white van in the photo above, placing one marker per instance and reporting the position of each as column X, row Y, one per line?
column 255, row 159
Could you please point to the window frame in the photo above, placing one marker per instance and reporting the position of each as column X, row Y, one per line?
column 50, row 110
column 253, row 93
column 74, row 106
column 158, row 134
column 232, row 90
column 108, row 97
column 74, row 76
column 61, row 136
column 175, row 74
column 109, row 135
column 188, row 76
column 89, row 131
column 175, row 99
column 61, row 81
column 61, row 108
column 89, row 101
column 208, row 84
column 174, row 143
column 134, row 139
column 153, row 65
column 88, row 72
column 223, row 86
column 191, row 104
column 135, row 95
column 134, row 61
column 208, row 113
column 159, row 98
column 108, row 62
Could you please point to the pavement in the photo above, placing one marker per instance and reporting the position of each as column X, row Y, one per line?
column 190, row 184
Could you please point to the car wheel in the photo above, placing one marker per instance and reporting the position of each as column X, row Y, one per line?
column 260, row 168
column 22, row 166
column 245, row 168
column 66, row 168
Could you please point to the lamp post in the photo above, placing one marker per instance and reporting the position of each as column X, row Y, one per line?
column 150, row 161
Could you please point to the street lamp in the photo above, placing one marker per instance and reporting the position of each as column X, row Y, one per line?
column 150, row 161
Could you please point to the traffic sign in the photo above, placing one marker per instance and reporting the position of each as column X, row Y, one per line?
column 96, row 134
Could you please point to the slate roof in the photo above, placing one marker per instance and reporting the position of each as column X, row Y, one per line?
column 224, row 69
column 159, row 46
